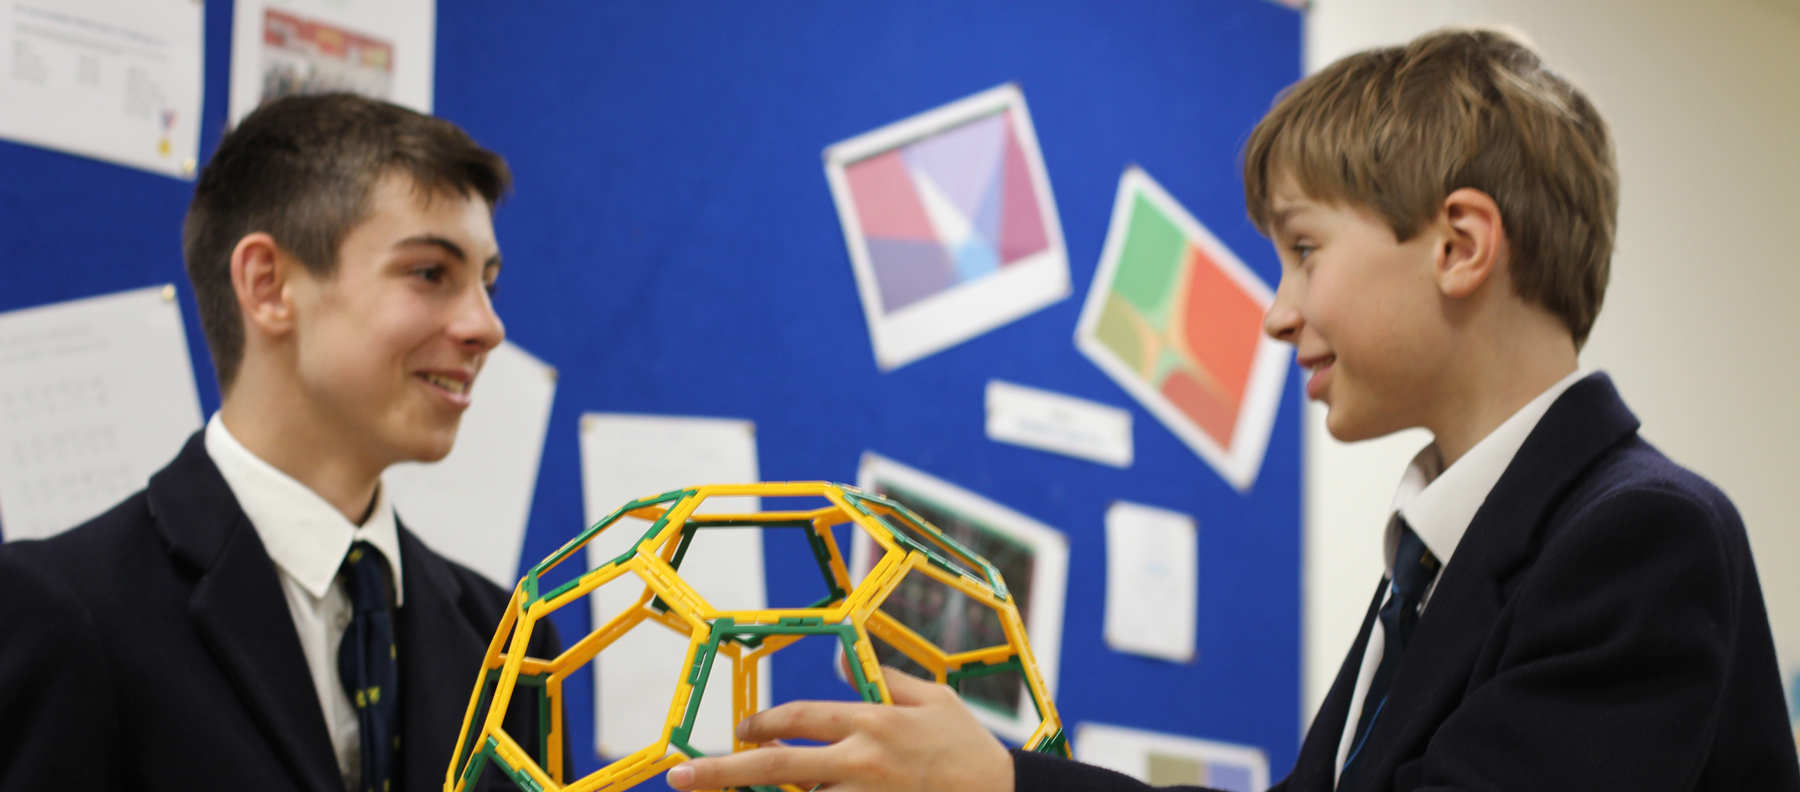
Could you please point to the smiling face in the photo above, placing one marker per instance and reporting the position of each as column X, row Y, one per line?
column 387, row 349
column 1362, row 310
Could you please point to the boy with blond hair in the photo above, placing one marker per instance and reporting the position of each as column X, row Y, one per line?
column 1564, row 607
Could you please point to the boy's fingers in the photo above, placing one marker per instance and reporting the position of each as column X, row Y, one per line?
column 819, row 721
column 909, row 690
column 760, row 767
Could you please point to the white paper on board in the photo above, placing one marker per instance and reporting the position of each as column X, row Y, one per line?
column 1033, row 559
column 473, row 505
column 1152, row 585
column 625, row 457
column 385, row 49
column 95, row 396
column 1161, row 759
column 114, row 81
column 1058, row 423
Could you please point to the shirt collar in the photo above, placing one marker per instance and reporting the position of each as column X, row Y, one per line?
column 304, row 535
column 1438, row 503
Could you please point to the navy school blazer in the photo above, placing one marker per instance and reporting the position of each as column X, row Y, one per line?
column 1600, row 626
column 152, row 648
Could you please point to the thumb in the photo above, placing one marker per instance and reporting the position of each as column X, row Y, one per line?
column 909, row 690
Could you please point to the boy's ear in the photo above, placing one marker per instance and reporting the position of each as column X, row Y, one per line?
column 1474, row 242
column 260, row 271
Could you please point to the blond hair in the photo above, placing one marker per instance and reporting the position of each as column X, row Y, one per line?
column 1398, row 129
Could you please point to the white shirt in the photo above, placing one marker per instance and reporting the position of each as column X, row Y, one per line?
column 1438, row 504
column 307, row 538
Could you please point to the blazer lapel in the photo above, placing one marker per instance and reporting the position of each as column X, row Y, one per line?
column 1501, row 540
column 241, row 614
column 1315, row 770
column 440, row 659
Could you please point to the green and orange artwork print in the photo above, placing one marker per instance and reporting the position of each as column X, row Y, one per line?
column 1176, row 319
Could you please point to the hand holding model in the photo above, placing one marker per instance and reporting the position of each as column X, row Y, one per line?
column 928, row 741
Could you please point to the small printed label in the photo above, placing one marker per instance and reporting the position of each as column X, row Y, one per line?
column 1059, row 424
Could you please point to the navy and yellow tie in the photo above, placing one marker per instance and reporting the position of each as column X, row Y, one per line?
column 1414, row 569
column 368, row 666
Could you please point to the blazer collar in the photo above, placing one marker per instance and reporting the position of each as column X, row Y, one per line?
column 1439, row 503
column 434, row 689
column 1587, row 420
column 304, row 534
column 240, row 613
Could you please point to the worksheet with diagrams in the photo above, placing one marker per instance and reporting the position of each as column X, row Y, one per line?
column 95, row 396
column 114, row 81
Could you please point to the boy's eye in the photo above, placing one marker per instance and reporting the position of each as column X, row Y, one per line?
column 433, row 273
column 493, row 288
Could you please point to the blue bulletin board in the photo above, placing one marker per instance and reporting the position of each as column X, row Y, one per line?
column 672, row 247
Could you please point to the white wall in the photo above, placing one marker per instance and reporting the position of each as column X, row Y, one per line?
column 1701, row 327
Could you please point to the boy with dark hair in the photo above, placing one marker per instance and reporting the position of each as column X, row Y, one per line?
column 1565, row 608
column 258, row 618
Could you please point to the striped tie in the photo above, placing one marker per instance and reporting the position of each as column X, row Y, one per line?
column 368, row 667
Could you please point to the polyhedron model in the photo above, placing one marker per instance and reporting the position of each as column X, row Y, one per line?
column 851, row 613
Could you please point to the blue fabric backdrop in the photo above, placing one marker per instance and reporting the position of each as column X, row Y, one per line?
column 672, row 248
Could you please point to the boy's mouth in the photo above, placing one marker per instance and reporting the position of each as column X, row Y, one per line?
column 453, row 386
column 447, row 384
column 1317, row 368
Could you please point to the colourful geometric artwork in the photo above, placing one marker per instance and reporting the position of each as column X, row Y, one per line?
column 1176, row 319
column 946, row 210
column 950, row 224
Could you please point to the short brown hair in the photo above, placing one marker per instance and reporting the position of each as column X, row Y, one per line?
column 1398, row 129
column 301, row 169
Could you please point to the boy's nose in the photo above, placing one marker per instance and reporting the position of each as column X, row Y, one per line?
column 478, row 327
column 1282, row 322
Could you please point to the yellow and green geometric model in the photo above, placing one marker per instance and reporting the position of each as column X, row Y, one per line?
column 851, row 614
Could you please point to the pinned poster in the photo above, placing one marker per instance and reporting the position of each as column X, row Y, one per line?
column 473, row 505
column 950, row 222
column 382, row 49
column 1160, row 759
column 114, row 81
column 1152, row 581
column 1033, row 559
column 625, row 457
column 95, row 396
column 1175, row 318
